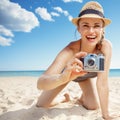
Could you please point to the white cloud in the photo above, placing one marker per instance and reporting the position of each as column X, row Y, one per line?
column 6, row 32
column 55, row 14
column 65, row 12
column 44, row 14
column 70, row 18
column 73, row 1
column 59, row 9
column 5, row 41
column 14, row 18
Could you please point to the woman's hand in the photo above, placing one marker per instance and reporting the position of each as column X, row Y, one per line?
column 76, row 66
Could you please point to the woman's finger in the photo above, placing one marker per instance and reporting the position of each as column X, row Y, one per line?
column 80, row 54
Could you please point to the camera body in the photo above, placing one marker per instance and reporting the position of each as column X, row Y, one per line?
column 93, row 63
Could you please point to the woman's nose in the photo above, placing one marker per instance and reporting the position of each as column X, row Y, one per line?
column 91, row 29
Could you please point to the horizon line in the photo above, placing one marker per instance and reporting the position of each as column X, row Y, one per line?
column 37, row 70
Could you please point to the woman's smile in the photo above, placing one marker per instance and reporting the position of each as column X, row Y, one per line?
column 91, row 38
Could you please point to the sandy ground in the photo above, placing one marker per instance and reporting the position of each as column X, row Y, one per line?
column 18, row 96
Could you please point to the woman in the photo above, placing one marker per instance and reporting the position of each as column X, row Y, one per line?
column 68, row 67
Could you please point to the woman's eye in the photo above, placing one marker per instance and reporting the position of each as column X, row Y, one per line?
column 97, row 26
column 85, row 26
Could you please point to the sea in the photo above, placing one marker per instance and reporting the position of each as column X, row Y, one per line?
column 37, row 73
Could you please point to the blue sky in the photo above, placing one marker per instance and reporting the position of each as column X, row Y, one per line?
column 33, row 32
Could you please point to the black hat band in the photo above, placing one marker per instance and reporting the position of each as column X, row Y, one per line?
column 91, row 11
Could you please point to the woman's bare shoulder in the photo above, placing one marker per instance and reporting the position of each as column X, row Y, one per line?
column 74, row 45
column 107, row 44
column 106, row 47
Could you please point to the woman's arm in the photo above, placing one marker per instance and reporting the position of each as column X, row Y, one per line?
column 47, row 82
column 102, row 82
column 53, row 76
column 62, row 70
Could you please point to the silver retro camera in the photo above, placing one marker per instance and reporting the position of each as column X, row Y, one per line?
column 93, row 63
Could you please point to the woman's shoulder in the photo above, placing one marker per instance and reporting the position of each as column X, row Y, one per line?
column 74, row 42
column 107, row 43
column 74, row 45
column 106, row 47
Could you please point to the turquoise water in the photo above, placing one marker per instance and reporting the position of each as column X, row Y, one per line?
column 20, row 73
column 113, row 73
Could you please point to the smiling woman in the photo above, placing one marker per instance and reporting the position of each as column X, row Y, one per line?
column 68, row 65
column 32, row 51
column 92, row 26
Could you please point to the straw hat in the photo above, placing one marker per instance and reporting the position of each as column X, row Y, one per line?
column 92, row 9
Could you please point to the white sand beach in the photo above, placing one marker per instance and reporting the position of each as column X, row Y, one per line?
column 18, row 96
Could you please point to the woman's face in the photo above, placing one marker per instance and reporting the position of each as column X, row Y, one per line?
column 91, row 30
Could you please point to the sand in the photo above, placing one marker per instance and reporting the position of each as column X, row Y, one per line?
column 18, row 96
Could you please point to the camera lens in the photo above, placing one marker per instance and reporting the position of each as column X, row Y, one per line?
column 91, row 62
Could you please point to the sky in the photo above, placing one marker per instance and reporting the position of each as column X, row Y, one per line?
column 33, row 32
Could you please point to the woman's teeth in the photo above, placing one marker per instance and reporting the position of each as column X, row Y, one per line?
column 91, row 37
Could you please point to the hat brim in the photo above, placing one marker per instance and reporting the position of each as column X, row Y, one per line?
column 106, row 20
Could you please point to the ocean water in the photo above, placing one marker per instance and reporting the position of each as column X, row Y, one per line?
column 113, row 73
column 20, row 73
